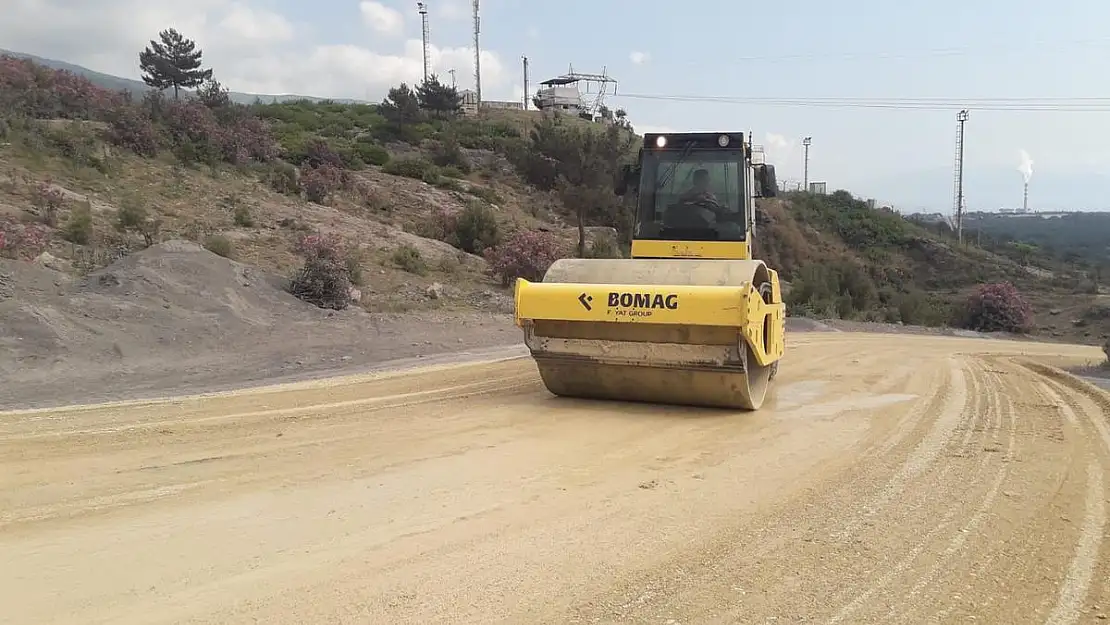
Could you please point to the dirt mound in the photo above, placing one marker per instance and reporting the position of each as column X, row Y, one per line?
column 176, row 316
column 803, row 324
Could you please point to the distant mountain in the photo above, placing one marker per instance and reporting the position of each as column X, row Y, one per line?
column 116, row 83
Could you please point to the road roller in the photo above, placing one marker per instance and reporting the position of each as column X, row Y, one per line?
column 691, row 318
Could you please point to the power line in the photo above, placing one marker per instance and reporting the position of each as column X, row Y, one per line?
column 1033, row 46
column 1061, row 104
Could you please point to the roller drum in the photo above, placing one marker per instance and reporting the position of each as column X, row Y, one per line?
column 675, row 364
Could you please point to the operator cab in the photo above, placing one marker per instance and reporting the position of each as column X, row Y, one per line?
column 696, row 187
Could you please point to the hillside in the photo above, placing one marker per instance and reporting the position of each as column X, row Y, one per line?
column 1081, row 239
column 431, row 211
column 138, row 87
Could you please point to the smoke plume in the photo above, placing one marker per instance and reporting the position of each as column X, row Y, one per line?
column 1026, row 166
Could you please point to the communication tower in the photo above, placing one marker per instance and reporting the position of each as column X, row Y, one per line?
column 961, row 119
column 423, row 9
column 477, row 57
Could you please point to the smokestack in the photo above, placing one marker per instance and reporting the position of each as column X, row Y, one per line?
column 1025, row 199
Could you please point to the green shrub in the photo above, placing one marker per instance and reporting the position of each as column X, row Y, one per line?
column 450, row 184
column 79, row 227
column 283, row 178
column 409, row 259
column 834, row 289
column 485, row 194
column 447, row 153
column 416, row 168
column 860, row 226
column 476, row 228
column 242, row 216
column 219, row 245
column 371, row 153
column 354, row 268
column 450, row 172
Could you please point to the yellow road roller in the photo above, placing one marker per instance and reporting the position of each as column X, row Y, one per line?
column 691, row 318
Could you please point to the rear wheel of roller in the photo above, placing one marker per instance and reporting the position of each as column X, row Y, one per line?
column 758, row 376
column 765, row 293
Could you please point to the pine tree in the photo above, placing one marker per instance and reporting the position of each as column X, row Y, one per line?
column 173, row 62
column 439, row 99
column 401, row 107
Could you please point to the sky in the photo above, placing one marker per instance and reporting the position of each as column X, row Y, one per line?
column 797, row 50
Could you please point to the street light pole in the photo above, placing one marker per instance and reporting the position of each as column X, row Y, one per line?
column 805, row 175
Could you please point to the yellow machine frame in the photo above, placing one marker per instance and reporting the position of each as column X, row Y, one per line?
column 686, row 322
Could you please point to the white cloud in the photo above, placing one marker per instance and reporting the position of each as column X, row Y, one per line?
column 639, row 58
column 255, row 25
column 642, row 128
column 451, row 10
column 381, row 18
column 779, row 150
column 351, row 71
column 251, row 50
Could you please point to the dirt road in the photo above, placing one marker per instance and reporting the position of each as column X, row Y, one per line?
column 891, row 479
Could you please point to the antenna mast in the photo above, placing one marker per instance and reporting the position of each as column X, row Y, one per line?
column 453, row 83
column 477, row 57
column 423, row 9
column 525, row 82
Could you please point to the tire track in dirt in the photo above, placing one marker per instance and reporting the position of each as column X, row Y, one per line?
column 1077, row 584
column 979, row 400
column 243, row 454
column 1017, row 552
column 1004, row 415
column 767, row 542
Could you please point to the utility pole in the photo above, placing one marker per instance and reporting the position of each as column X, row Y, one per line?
column 805, row 170
column 961, row 119
column 423, row 9
column 453, row 83
column 525, row 82
column 477, row 58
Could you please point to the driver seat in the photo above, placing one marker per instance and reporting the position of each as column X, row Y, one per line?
column 680, row 215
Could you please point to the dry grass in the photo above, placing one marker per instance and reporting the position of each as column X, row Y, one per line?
column 203, row 204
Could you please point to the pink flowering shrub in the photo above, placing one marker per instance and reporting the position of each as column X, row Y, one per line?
column 193, row 130
column 37, row 91
column 318, row 153
column 324, row 279
column 131, row 128
column 997, row 308
column 318, row 183
column 21, row 241
column 527, row 254
column 248, row 138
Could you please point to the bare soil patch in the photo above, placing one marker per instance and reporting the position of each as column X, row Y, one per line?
column 177, row 318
